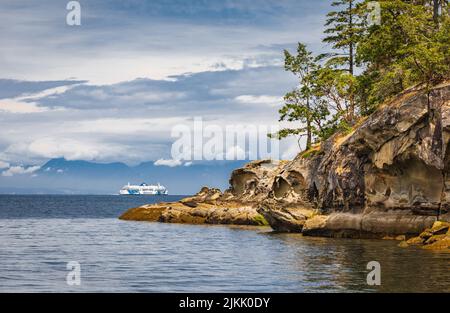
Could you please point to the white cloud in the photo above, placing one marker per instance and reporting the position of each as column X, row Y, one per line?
column 71, row 149
column 131, row 121
column 18, row 106
column 123, row 126
column 38, row 47
column 48, row 92
column 4, row 164
column 28, row 104
column 20, row 170
column 271, row 101
column 169, row 163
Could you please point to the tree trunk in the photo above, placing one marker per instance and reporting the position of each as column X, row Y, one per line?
column 351, row 43
column 308, row 127
column 436, row 12
column 351, row 111
column 351, row 59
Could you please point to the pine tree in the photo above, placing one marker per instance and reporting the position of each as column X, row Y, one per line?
column 300, row 65
column 300, row 104
column 407, row 49
column 344, row 29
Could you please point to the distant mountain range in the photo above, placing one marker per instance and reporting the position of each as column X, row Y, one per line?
column 60, row 176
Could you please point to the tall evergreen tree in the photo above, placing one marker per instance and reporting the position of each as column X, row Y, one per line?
column 407, row 48
column 301, row 65
column 345, row 27
column 301, row 105
column 344, row 30
column 410, row 47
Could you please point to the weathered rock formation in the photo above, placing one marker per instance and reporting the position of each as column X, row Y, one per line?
column 434, row 238
column 206, row 207
column 388, row 177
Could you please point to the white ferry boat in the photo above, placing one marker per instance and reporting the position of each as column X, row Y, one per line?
column 143, row 189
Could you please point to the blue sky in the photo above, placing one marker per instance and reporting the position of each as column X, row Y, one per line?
column 112, row 88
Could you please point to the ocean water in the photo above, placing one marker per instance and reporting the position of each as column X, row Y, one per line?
column 39, row 235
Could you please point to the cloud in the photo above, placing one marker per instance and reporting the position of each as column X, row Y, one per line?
column 127, row 126
column 129, row 122
column 202, row 92
column 169, row 163
column 4, row 164
column 26, row 103
column 49, row 147
column 11, row 88
column 291, row 151
column 17, row 106
column 140, row 68
column 272, row 101
column 123, row 41
column 20, row 170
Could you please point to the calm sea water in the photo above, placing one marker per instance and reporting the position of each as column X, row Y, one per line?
column 39, row 235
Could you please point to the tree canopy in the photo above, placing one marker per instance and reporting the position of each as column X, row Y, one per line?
column 409, row 47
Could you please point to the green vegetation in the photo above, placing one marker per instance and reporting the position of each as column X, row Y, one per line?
column 260, row 220
column 368, row 63
column 310, row 152
column 302, row 104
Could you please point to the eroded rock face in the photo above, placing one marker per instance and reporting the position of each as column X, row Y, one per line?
column 389, row 176
column 294, row 184
column 254, row 181
column 386, row 163
column 284, row 218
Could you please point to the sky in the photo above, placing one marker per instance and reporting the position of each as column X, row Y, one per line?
column 111, row 89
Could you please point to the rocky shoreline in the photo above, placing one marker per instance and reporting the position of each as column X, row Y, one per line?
column 206, row 207
column 387, row 178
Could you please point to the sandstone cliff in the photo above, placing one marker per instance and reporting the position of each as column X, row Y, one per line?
column 389, row 176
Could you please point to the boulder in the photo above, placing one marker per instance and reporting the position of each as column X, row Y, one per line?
column 284, row 219
column 316, row 226
column 435, row 238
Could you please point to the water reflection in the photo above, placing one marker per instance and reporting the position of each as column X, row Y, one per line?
column 40, row 234
column 340, row 264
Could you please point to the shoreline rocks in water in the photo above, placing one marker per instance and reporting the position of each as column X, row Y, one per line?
column 435, row 238
column 203, row 208
column 388, row 177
